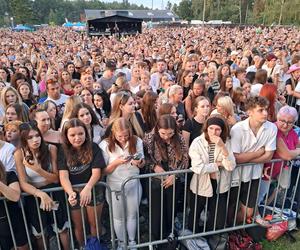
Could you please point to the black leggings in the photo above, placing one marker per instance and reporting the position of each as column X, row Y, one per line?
column 212, row 203
column 156, row 196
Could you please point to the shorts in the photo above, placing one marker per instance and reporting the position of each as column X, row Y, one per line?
column 252, row 193
column 244, row 193
column 18, row 228
column 99, row 197
column 47, row 219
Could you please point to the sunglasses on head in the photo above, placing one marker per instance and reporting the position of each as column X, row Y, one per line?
column 28, row 125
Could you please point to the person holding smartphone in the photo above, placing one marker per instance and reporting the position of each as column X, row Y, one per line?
column 124, row 156
column 36, row 165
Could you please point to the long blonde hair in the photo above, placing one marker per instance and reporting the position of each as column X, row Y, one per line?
column 121, row 99
column 71, row 102
column 3, row 94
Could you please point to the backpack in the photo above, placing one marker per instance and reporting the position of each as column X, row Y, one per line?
column 93, row 243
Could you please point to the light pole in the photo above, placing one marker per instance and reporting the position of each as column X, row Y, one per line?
column 12, row 21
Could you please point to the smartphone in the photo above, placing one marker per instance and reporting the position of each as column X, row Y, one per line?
column 54, row 206
column 128, row 157
column 137, row 156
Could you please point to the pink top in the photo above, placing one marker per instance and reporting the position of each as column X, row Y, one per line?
column 291, row 141
column 42, row 86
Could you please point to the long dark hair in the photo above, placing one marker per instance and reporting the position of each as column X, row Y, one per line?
column 2, row 173
column 148, row 110
column 43, row 152
column 167, row 122
column 79, row 106
column 106, row 102
column 82, row 156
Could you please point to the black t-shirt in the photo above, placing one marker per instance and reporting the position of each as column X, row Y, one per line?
column 11, row 177
column 194, row 128
column 81, row 173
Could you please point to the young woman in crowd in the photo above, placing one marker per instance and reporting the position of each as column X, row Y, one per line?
column 65, row 82
column 36, row 165
column 51, row 108
column 165, row 150
column 149, row 110
column 186, row 81
column 26, row 94
column 102, row 106
column 269, row 91
column 5, row 75
column 239, row 99
column 12, row 133
column 10, row 96
column 193, row 127
column 212, row 160
column 81, row 162
column 123, row 154
column 223, row 71
column 198, row 89
column 225, row 108
column 85, row 114
column 124, row 106
column 227, row 85
column 10, row 190
column 71, row 102
column 43, row 123
column 14, row 112
column 175, row 94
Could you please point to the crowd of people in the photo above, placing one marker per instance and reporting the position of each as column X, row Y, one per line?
column 77, row 109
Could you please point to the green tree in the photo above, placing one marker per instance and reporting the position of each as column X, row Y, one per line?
column 22, row 11
column 185, row 10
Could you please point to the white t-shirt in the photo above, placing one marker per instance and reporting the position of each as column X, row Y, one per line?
column 60, row 103
column 123, row 171
column 243, row 140
column 7, row 156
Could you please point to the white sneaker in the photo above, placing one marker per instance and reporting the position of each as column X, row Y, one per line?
column 131, row 244
column 121, row 245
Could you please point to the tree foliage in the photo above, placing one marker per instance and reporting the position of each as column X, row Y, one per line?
column 242, row 11
column 53, row 11
column 236, row 11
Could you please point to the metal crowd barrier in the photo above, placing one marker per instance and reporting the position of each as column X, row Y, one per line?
column 283, row 198
column 46, row 243
column 144, row 232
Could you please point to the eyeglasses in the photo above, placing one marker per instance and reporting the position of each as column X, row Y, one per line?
column 17, row 64
column 286, row 122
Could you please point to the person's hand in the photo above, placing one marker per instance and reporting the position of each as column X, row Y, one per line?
column 34, row 165
column 219, row 163
column 158, row 169
column 266, row 173
column 72, row 199
column 261, row 151
column 85, row 196
column 136, row 163
column 231, row 120
column 121, row 160
column 169, row 181
column 46, row 202
column 290, row 92
column 217, row 140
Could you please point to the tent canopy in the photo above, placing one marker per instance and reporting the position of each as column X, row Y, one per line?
column 21, row 27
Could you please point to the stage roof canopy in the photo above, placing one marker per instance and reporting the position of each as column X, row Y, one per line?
column 145, row 15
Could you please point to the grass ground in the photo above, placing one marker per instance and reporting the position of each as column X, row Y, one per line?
column 284, row 243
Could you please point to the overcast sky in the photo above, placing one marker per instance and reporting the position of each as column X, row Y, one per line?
column 156, row 3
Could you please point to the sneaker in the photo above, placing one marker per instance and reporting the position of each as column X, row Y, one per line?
column 132, row 243
column 121, row 245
